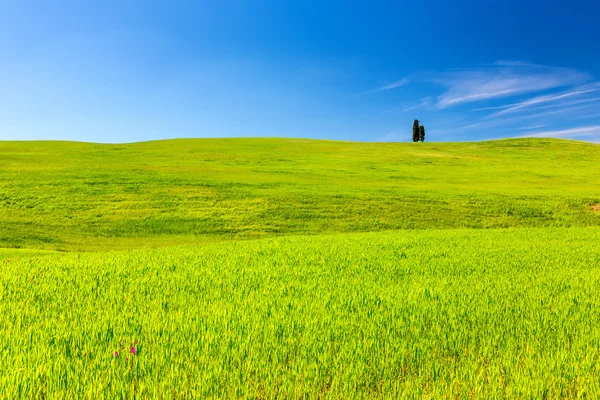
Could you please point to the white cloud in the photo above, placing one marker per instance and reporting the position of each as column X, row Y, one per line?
column 502, row 80
column 491, row 108
column 578, row 132
column 423, row 103
column 510, row 108
column 394, row 85
column 517, row 64
column 505, row 122
column 547, row 96
column 527, row 128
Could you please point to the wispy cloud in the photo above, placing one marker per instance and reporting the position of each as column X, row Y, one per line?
column 506, row 122
column 528, row 128
column 589, row 132
column 539, row 105
column 423, row 103
column 491, row 108
column 503, row 80
column 502, row 63
column 500, row 79
column 394, row 85
column 538, row 100
column 514, row 107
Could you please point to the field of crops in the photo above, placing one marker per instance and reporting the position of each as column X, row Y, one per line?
column 272, row 268
column 416, row 314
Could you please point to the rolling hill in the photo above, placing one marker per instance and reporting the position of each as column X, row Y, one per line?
column 281, row 268
column 84, row 196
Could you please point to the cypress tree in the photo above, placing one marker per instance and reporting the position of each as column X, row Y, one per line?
column 422, row 133
column 415, row 136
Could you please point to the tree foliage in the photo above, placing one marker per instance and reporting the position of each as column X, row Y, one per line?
column 415, row 133
column 421, row 133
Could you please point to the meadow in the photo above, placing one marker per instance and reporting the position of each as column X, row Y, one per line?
column 83, row 196
column 418, row 314
column 273, row 268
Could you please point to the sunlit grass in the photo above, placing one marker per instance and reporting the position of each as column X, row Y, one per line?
column 274, row 268
column 81, row 196
column 422, row 314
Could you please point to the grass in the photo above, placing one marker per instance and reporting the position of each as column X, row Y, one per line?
column 274, row 268
column 82, row 196
column 440, row 314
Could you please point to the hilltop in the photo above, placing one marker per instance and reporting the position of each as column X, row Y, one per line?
column 85, row 196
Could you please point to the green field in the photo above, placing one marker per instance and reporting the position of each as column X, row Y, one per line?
column 79, row 196
column 272, row 268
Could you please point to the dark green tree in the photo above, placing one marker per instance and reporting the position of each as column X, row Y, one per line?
column 416, row 130
column 422, row 133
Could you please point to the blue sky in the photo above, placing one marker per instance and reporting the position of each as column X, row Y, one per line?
column 123, row 71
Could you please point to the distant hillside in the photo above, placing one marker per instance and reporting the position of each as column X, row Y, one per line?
column 84, row 196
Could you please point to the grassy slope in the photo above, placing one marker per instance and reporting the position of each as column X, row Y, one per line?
column 435, row 314
column 451, row 313
column 81, row 196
